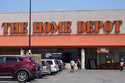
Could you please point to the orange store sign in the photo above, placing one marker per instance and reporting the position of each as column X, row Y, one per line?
column 83, row 27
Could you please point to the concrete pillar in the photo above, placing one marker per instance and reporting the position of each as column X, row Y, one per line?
column 22, row 52
column 83, row 58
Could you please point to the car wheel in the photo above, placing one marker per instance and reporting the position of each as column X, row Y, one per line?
column 22, row 76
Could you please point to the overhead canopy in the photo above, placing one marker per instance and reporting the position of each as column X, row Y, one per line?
column 63, row 41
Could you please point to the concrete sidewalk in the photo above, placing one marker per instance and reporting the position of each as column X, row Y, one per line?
column 86, row 76
column 82, row 76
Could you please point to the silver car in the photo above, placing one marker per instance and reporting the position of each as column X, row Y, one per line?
column 46, row 69
column 53, row 65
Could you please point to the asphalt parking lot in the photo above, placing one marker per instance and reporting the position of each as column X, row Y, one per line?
column 82, row 76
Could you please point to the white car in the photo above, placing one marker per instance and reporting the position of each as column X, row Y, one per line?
column 53, row 64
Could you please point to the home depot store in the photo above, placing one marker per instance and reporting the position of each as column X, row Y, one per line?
column 97, row 37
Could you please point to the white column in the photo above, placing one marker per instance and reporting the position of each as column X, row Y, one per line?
column 82, row 58
column 22, row 52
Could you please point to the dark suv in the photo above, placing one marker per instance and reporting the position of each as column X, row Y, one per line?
column 23, row 68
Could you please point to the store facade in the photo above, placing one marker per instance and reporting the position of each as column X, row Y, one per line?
column 99, row 35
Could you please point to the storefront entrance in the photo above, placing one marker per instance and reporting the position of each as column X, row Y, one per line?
column 90, row 58
column 104, row 57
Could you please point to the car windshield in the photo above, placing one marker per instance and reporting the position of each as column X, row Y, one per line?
column 29, row 59
column 49, row 62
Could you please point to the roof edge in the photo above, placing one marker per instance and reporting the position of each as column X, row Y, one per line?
column 5, row 12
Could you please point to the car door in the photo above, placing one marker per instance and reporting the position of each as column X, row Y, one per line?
column 2, row 65
column 10, row 63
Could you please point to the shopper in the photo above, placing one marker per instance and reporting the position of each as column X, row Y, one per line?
column 78, row 62
column 75, row 67
column 72, row 64
column 121, row 64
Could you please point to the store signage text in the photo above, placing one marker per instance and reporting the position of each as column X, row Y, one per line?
column 63, row 27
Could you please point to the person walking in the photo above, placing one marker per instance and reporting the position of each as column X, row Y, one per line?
column 72, row 64
column 121, row 64
column 78, row 64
